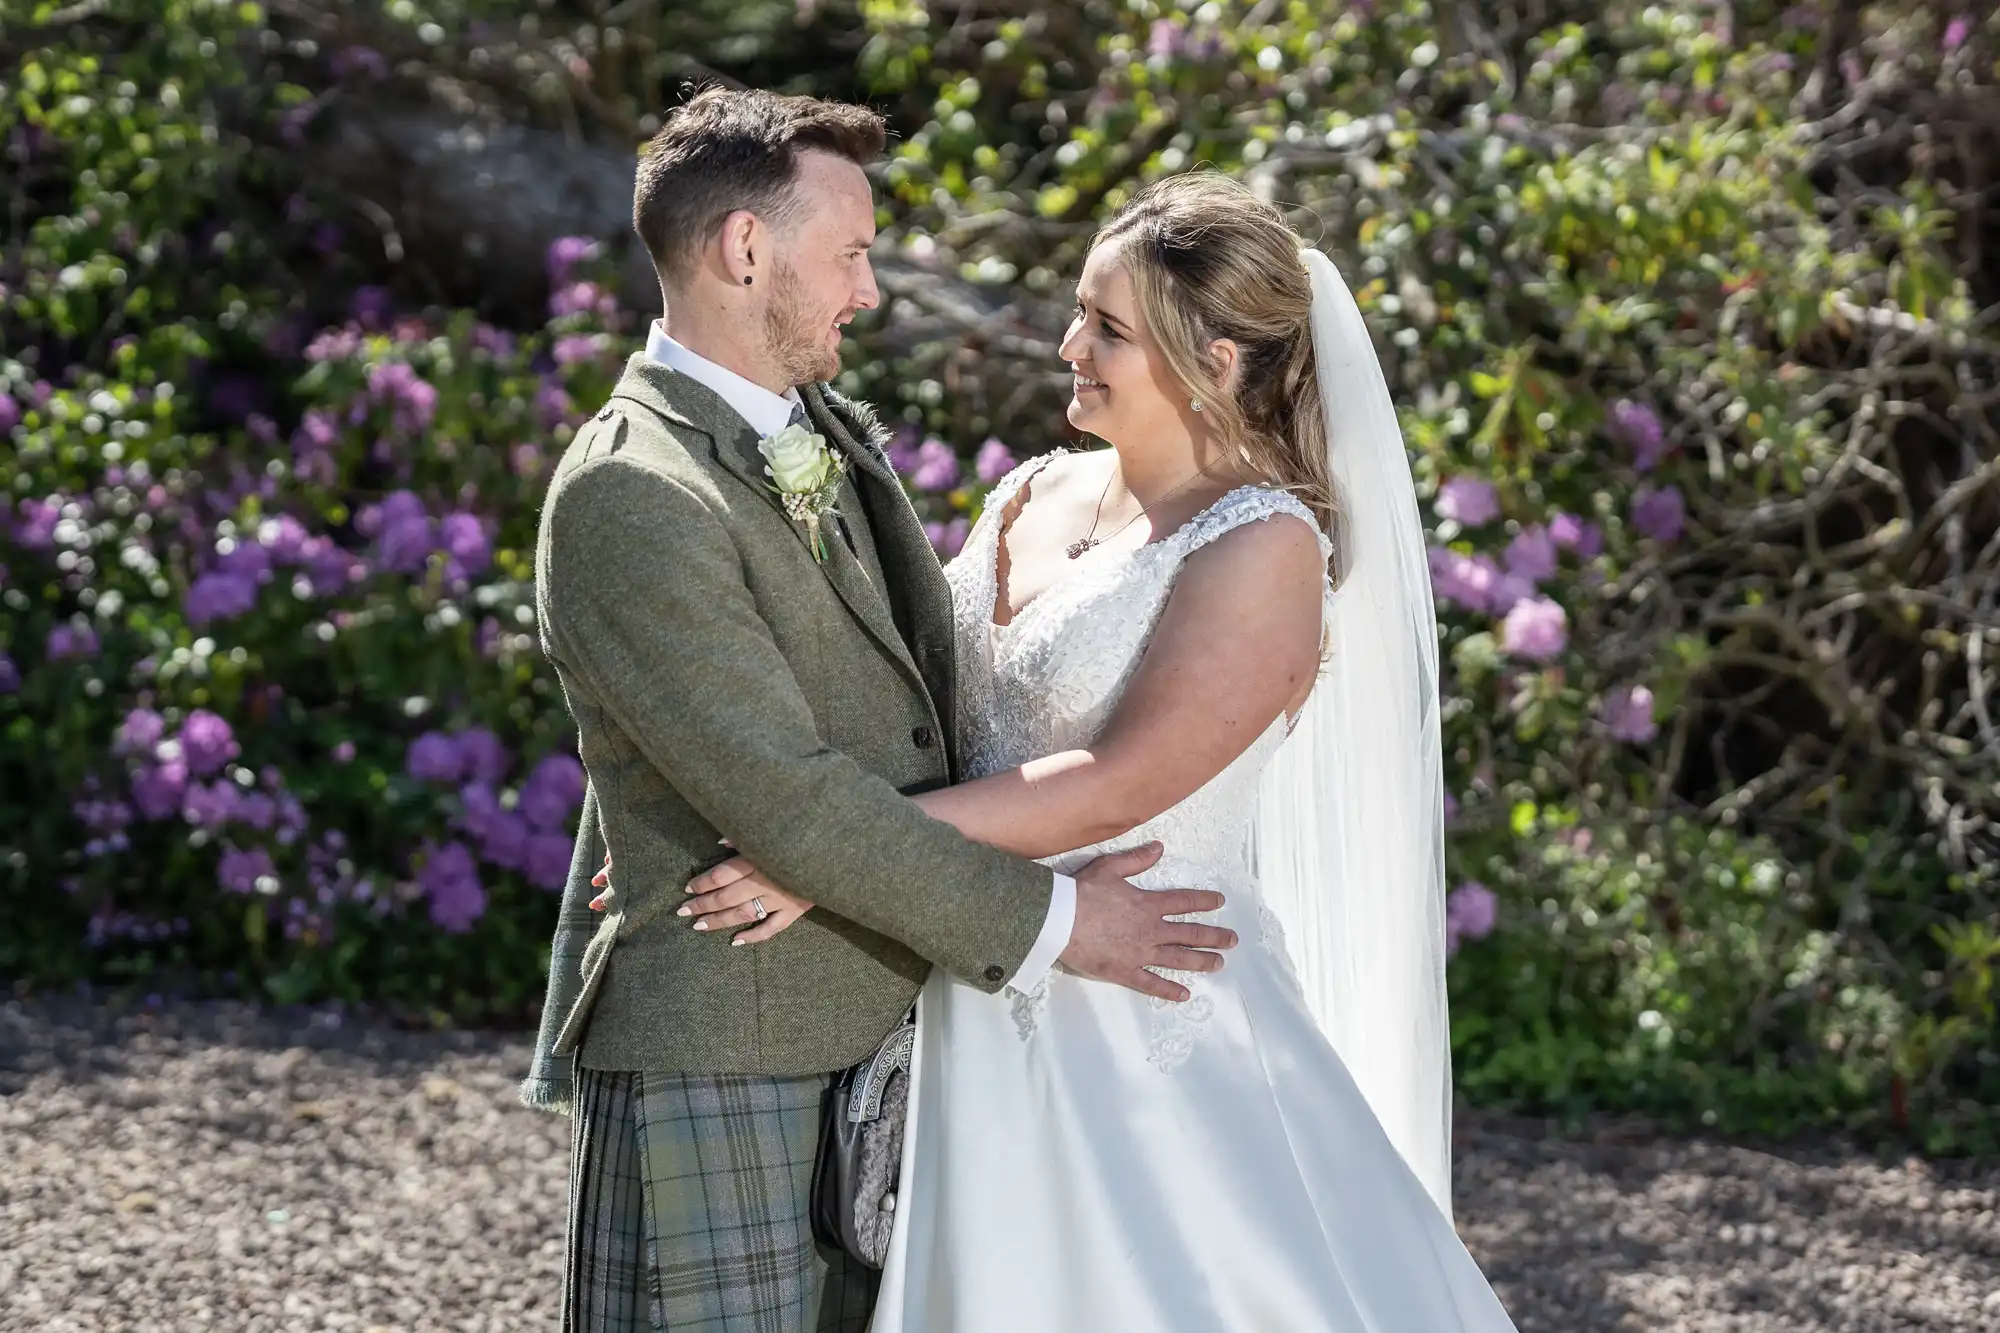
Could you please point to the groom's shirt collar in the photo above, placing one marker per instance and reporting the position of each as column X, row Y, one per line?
column 767, row 412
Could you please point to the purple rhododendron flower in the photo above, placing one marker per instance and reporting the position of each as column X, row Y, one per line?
column 486, row 759
column 1476, row 582
column 1471, row 910
column 395, row 507
column 343, row 753
column 246, row 560
column 1532, row 554
column 994, row 461
column 1463, row 580
column 1628, row 713
column 450, row 879
column 495, row 342
column 258, row 810
column 330, row 569
column 407, row 534
column 1571, row 533
column 1167, row 38
column 434, row 757
column 479, row 806
column 207, row 743
column 1536, row 628
column 1639, row 427
column 10, row 413
column 546, row 860
column 463, row 537
column 1659, row 514
column 371, row 307
column 210, row 804
column 576, row 347
column 936, row 467
column 157, row 789
column 1956, row 31
column 947, row 539
column 1469, row 501
column 239, row 871
column 10, row 675
column 414, row 398
column 217, row 595
column 141, row 730
column 284, row 538
column 578, row 298
column 317, row 430
column 552, row 403
column 565, row 253
column 903, row 450
column 36, row 529
column 505, row 841
column 553, row 790
column 67, row 641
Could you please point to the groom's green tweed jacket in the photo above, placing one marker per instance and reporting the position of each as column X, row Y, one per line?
column 727, row 685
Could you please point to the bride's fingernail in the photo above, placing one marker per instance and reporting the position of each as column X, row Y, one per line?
column 701, row 925
column 688, row 910
column 738, row 942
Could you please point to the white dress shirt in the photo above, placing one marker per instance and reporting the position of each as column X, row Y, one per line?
column 768, row 413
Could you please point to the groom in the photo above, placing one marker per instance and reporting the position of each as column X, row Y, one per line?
column 730, row 681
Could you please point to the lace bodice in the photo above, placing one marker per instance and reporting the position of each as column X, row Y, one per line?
column 1050, row 679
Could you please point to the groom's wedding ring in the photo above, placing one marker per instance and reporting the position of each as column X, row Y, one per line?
column 757, row 906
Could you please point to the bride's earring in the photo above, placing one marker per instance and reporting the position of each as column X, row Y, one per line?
column 1195, row 403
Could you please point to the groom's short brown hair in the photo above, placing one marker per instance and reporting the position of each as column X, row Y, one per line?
column 736, row 148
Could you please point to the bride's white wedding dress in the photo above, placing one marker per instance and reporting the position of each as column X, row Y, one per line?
column 1086, row 1158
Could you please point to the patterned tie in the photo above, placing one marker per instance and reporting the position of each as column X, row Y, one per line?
column 799, row 418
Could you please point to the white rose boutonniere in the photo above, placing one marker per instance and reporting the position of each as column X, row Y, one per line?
column 806, row 475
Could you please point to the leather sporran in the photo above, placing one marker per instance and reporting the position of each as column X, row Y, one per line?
column 860, row 1157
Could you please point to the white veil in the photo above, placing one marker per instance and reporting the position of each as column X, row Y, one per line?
column 1349, row 839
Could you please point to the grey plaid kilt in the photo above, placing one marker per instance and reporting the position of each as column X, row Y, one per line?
column 688, row 1209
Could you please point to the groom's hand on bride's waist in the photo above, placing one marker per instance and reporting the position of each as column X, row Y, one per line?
column 1122, row 930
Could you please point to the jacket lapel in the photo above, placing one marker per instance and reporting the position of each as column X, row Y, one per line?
column 916, row 580
column 733, row 444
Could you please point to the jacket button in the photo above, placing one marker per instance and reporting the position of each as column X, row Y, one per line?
column 996, row 974
column 923, row 738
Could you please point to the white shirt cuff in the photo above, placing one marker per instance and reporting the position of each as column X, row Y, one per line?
column 1053, row 939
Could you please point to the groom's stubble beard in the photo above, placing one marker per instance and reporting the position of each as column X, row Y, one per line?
column 795, row 340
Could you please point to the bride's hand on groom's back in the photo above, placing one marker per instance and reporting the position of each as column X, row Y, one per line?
column 727, row 895
column 737, row 893
column 1122, row 930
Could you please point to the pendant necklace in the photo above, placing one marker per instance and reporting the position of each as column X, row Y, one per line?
column 1090, row 539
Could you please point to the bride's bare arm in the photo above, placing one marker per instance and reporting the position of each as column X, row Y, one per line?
column 1237, row 643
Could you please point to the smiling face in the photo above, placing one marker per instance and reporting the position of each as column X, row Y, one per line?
column 1124, row 389
column 821, row 274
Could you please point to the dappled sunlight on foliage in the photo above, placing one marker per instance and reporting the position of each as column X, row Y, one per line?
column 1686, row 307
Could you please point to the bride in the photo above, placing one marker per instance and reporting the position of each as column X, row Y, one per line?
column 1216, row 636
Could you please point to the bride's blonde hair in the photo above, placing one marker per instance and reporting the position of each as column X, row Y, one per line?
column 1208, row 259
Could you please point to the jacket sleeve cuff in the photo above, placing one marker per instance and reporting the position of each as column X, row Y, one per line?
column 1053, row 939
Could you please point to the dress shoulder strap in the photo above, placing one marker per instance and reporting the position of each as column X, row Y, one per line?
column 1246, row 504
column 1009, row 486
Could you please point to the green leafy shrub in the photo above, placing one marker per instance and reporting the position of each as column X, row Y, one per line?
column 1680, row 303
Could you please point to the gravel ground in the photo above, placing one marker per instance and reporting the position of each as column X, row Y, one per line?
column 216, row 1167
